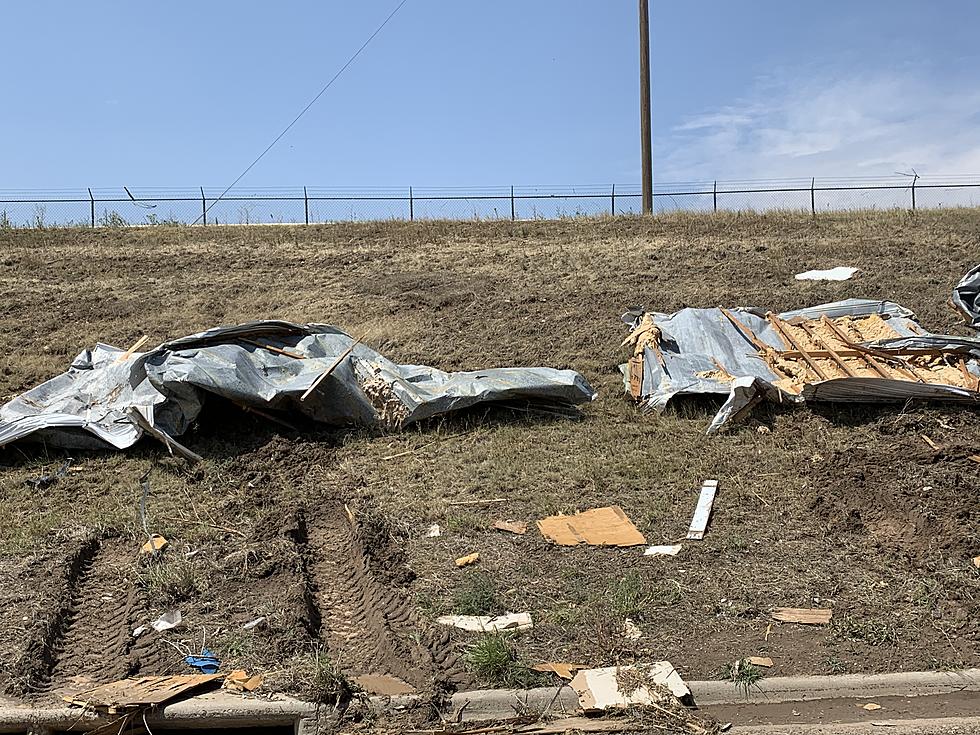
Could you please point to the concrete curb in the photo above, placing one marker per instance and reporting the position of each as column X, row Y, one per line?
column 222, row 709
column 490, row 704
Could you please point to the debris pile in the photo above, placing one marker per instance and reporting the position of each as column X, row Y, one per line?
column 113, row 396
column 846, row 351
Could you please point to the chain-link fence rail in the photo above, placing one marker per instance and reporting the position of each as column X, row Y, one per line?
column 130, row 206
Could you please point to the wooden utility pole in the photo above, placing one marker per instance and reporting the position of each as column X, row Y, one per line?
column 645, row 137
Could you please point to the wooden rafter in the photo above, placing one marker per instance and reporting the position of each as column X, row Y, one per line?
column 781, row 327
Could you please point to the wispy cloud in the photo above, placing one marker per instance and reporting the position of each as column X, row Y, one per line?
column 829, row 125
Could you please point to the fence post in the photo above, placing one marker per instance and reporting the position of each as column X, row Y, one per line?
column 411, row 205
column 92, row 206
column 813, row 199
column 612, row 201
column 204, row 207
column 714, row 197
column 915, row 178
column 306, row 206
column 513, row 210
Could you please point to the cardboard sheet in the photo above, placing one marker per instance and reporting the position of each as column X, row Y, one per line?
column 607, row 526
column 142, row 691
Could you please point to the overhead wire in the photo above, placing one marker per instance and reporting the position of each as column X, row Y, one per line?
column 302, row 112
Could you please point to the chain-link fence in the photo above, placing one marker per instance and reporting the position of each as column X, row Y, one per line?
column 147, row 206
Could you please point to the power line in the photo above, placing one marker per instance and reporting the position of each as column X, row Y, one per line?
column 304, row 110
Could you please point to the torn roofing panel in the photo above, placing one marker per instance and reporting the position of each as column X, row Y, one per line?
column 270, row 366
column 966, row 297
column 854, row 350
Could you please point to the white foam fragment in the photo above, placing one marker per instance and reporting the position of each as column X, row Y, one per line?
column 840, row 273
column 488, row 624
column 665, row 550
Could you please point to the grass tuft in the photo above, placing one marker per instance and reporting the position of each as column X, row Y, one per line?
column 327, row 683
column 493, row 658
column 477, row 595
column 743, row 674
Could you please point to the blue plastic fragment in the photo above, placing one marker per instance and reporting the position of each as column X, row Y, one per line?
column 207, row 662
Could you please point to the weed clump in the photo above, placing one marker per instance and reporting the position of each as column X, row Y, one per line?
column 477, row 595
column 743, row 674
column 492, row 657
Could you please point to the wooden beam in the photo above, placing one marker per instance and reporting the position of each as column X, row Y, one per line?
column 868, row 359
column 780, row 326
column 745, row 331
column 333, row 366
column 272, row 348
column 808, row 328
column 129, row 353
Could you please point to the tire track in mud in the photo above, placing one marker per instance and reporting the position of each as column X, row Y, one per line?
column 89, row 631
column 369, row 627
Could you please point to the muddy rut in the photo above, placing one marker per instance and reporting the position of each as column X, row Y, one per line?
column 87, row 635
column 366, row 621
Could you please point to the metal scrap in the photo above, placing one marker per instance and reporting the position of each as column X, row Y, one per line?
column 111, row 396
column 846, row 351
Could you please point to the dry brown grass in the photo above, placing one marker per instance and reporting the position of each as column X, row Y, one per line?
column 471, row 295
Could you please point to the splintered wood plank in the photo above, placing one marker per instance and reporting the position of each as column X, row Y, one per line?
column 702, row 513
column 804, row 615
column 635, row 366
column 142, row 691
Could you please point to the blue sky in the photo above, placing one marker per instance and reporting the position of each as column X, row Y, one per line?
column 462, row 93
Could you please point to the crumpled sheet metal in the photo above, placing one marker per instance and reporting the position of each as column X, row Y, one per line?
column 966, row 297
column 88, row 406
column 692, row 340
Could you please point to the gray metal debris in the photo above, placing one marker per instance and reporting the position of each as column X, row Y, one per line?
column 110, row 397
column 966, row 297
column 749, row 356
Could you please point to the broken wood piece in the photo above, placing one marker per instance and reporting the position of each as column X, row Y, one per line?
column 932, row 445
column 476, row 502
column 136, row 345
column 240, row 681
column 141, row 691
column 781, row 327
column 607, row 526
column 168, row 441
column 156, row 544
column 465, row 561
column 974, row 458
column 566, row 725
column 803, row 615
column 383, row 684
column 635, row 369
column 273, row 348
column 333, row 366
column 702, row 513
column 564, row 670
column 976, row 562
column 763, row 661
column 518, row 527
